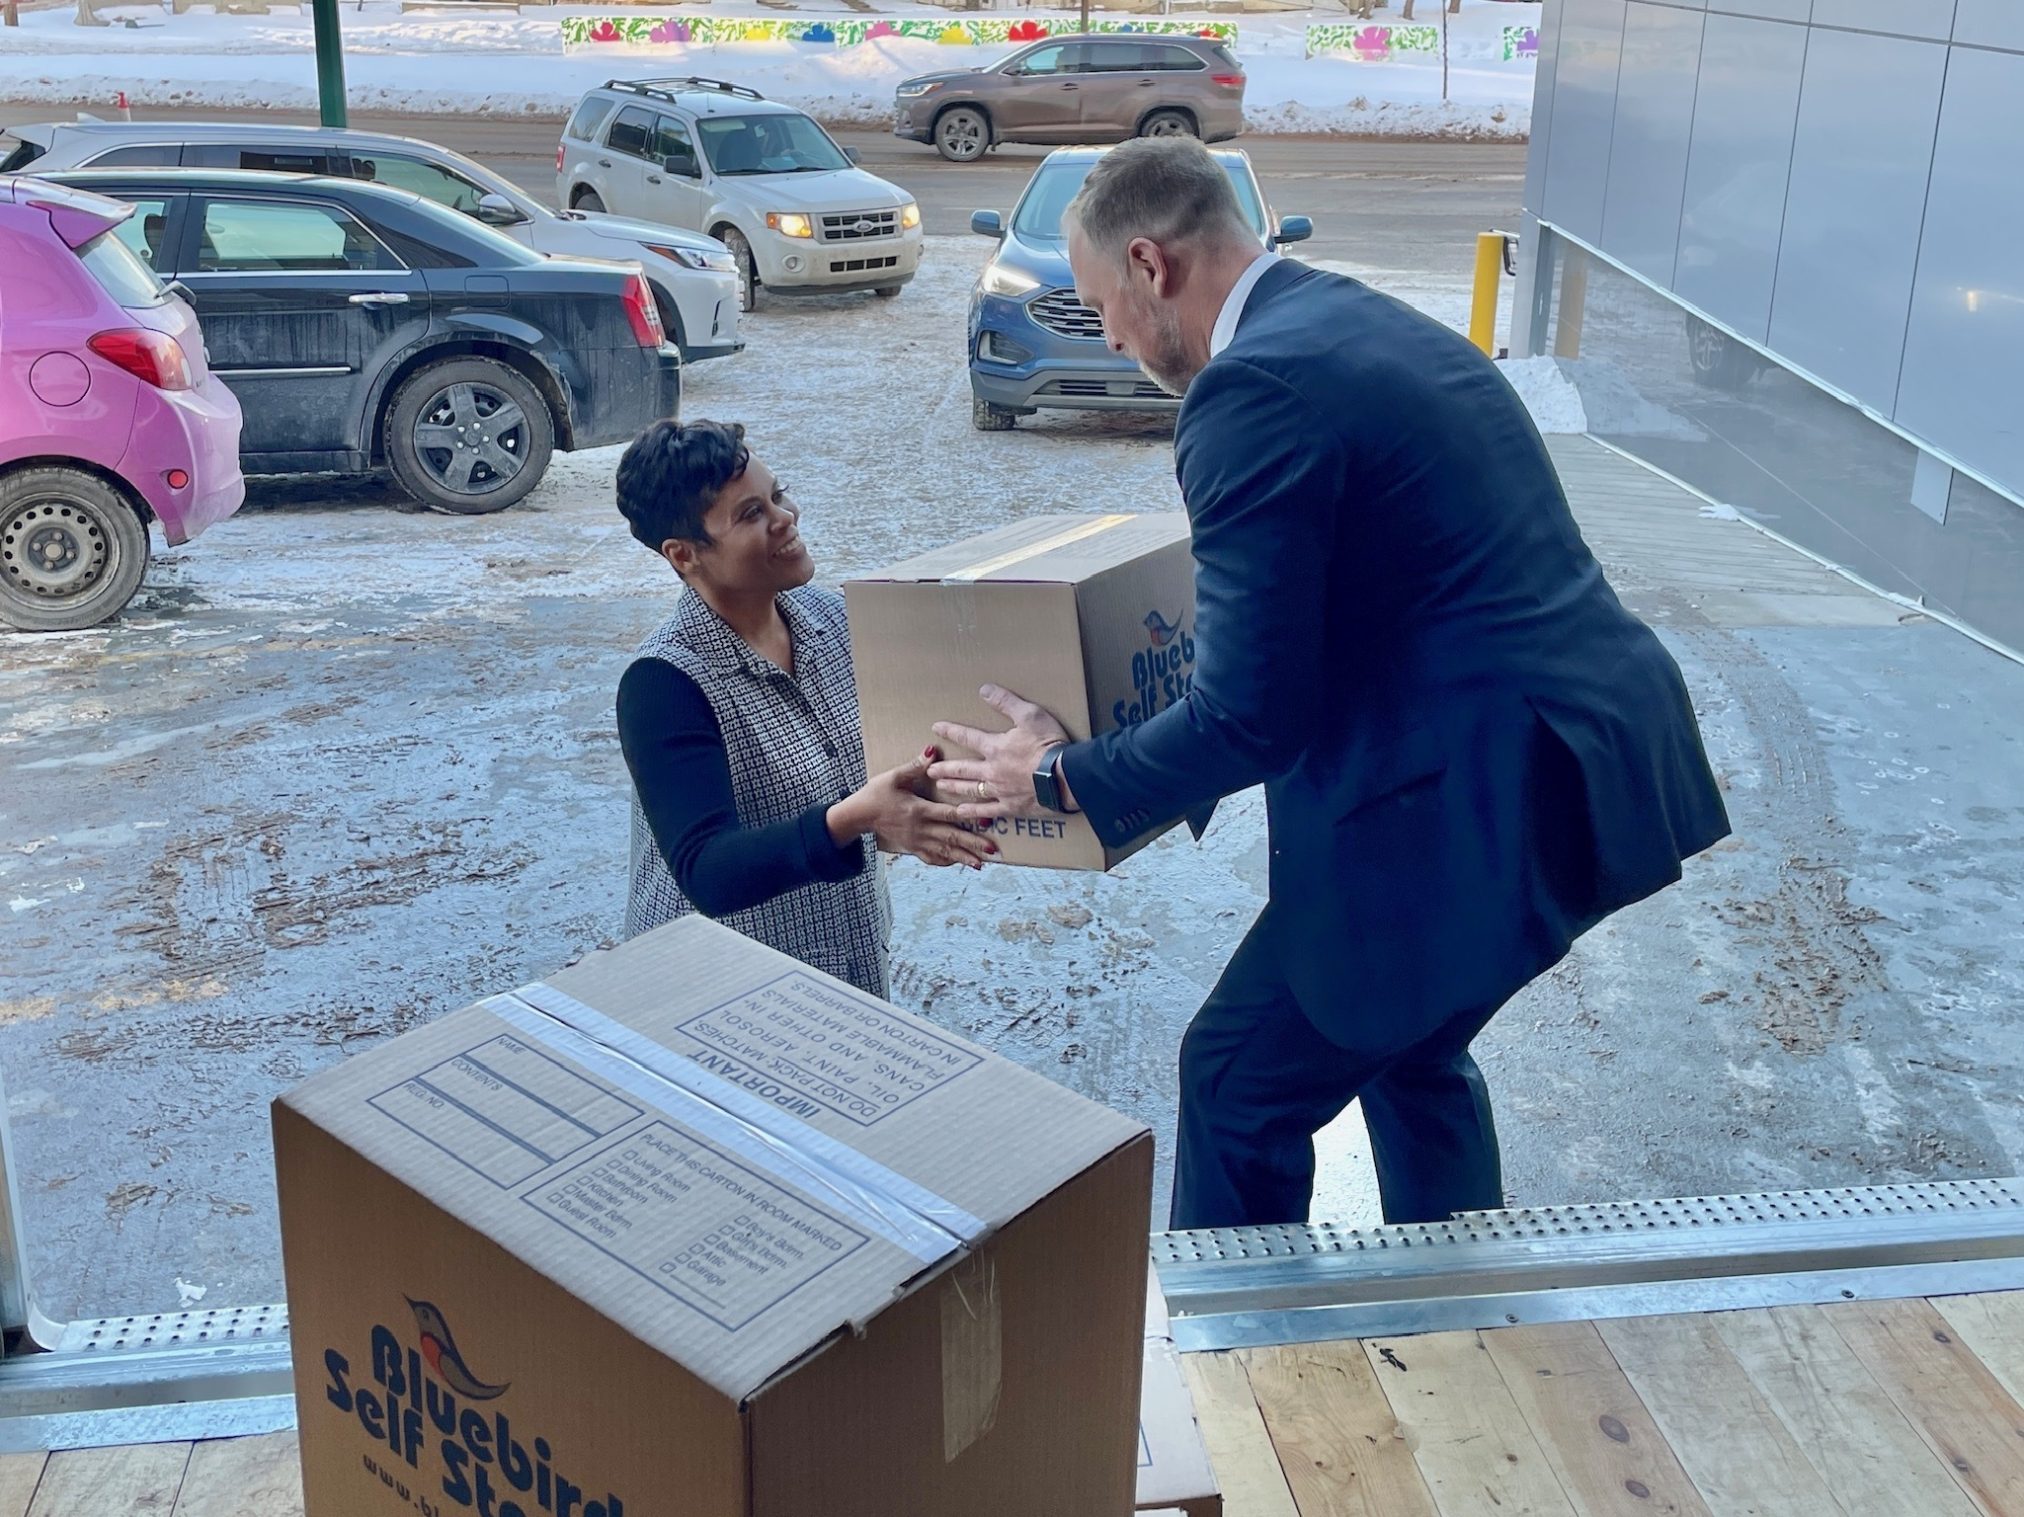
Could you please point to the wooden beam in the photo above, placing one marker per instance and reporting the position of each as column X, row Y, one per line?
column 1991, row 1326
column 1958, row 1406
column 1246, row 1464
column 1741, row 1458
column 243, row 1477
column 1340, row 1446
column 1469, row 1438
column 139, row 1481
column 19, row 1475
column 1865, row 1451
column 1606, row 1451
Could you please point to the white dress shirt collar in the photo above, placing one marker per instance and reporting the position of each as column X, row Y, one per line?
column 1233, row 308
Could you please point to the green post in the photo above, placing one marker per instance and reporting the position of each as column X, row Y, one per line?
column 329, row 62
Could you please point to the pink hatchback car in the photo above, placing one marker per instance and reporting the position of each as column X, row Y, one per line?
column 109, row 415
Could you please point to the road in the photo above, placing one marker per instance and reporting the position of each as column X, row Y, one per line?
column 1382, row 204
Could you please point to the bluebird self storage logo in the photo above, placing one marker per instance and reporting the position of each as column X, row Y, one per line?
column 1161, row 672
column 425, row 1396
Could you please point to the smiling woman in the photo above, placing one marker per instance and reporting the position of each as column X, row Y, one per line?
column 739, row 722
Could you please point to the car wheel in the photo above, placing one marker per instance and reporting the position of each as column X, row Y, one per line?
column 72, row 550
column 468, row 436
column 1168, row 124
column 748, row 269
column 962, row 134
column 888, row 291
column 989, row 418
column 1719, row 361
column 587, row 200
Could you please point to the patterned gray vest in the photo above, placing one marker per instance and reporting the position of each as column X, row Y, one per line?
column 792, row 741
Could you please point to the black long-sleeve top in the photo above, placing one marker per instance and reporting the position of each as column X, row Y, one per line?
column 682, row 773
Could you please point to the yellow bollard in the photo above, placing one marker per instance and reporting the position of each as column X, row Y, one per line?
column 1483, row 305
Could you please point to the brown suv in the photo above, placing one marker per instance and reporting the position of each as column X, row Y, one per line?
column 1078, row 89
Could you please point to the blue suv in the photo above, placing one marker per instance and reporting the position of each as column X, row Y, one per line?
column 1033, row 345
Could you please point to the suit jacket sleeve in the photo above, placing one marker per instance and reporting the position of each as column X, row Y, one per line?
column 1263, row 476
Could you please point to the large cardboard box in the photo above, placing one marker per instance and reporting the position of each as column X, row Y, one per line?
column 1093, row 617
column 1174, row 1472
column 691, row 1229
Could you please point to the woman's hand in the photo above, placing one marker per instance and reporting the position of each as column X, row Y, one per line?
column 895, row 809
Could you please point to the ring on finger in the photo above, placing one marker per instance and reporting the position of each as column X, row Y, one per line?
column 983, row 791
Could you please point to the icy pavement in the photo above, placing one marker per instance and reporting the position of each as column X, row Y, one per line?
column 347, row 767
column 513, row 65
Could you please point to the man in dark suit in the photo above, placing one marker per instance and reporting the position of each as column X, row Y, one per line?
column 1471, row 752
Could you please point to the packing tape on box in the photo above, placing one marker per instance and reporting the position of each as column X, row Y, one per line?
column 1075, row 534
column 904, row 1213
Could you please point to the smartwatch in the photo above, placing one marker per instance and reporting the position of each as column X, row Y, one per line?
column 1047, row 779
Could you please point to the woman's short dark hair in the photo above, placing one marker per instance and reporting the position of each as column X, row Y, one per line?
column 671, row 474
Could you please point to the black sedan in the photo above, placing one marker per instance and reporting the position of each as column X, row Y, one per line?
column 363, row 326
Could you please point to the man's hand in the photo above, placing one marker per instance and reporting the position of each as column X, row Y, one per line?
column 1000, row 783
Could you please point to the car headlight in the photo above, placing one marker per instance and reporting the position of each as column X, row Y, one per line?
column 790, row 223
column 697, row 258
column 915, row 91
column 999, row 280
column 910, row 216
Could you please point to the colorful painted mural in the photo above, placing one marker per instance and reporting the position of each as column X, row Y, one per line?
column 1380, row 43
column 676, row 31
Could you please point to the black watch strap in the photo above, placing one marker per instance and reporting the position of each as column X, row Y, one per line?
column 1047, row 780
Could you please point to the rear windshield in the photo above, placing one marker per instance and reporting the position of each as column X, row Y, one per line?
column 17, row 153
column 120, row 273
column 588, row 118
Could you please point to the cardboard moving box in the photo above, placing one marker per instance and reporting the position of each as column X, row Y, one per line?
column 1174, row 1472
column 1092, row 617
column 691, row 1230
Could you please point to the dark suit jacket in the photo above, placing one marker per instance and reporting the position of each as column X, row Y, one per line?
column 1472, row 752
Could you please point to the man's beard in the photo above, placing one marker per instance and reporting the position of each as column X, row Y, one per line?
column 1167, row 363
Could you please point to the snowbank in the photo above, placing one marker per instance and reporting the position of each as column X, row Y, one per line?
column 495, row 63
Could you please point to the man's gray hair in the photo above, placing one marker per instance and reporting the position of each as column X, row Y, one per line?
column 1168, row 189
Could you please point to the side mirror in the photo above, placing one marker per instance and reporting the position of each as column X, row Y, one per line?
column 988, row 224
column 853, row 155
column 682, row 165
column 1293, row 229
column 496, row 210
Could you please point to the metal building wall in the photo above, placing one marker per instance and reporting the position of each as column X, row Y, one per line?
column 1828, row 195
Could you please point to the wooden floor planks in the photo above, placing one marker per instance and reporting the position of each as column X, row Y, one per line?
column 1863, row 1409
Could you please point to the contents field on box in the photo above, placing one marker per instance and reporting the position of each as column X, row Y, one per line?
column 706, row 1229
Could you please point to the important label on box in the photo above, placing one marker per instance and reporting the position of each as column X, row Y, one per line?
column 709, row 1231
column 505, row 1109
column 807, row 1046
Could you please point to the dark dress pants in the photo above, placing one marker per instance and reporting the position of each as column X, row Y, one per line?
column 1258, row 1080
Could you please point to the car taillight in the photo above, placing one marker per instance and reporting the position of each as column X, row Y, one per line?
column 148, row 355
column 559, row 150
column 1228, row 81
column 644, row 315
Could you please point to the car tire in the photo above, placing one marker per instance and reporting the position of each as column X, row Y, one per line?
column 986, row 417
column 888, row 291
column 748, row 266
column 962, row 134
column 73, row 550
column 1169, row 124
column 1719, row 361
column 463, row 395
column 587, row 200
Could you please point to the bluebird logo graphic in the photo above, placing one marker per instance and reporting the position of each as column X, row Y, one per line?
column 1158, row 630
column 440, row 1350
column 1161, row 672
column 422, row 1397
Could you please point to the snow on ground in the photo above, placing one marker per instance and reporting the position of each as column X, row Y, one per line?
column 513, row 64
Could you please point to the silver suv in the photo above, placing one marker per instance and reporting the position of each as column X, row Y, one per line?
column 798, row 214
